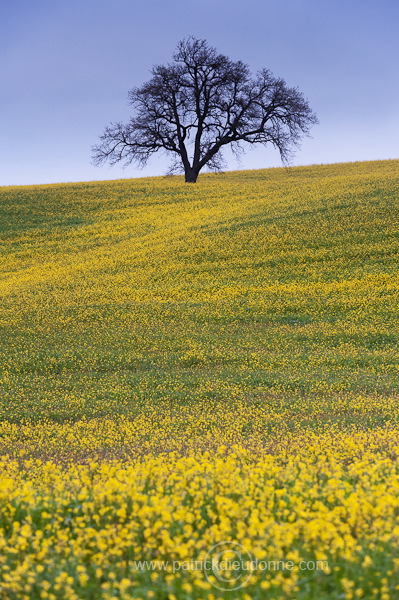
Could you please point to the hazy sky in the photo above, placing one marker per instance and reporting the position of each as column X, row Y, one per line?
column 66, row 67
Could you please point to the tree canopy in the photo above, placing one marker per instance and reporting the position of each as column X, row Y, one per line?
column 200, row 103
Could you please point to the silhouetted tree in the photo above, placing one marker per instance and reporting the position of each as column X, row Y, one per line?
column 201, row 102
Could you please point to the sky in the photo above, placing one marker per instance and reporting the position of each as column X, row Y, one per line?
column 66, row 67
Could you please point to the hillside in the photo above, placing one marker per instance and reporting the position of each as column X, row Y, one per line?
column 247, row 325
column 277, row 284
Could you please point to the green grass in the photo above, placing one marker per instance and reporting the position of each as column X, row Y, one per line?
column 251, row 283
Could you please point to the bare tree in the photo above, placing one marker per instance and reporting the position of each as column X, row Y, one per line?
column 201, row 102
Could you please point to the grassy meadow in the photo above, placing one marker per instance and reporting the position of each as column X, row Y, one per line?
column 183, row 366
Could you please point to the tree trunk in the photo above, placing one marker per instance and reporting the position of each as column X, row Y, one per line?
column 191, row 175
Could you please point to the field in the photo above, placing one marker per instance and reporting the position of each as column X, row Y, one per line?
column 204, row 377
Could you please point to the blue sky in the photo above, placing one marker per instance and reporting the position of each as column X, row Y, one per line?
column 66, row 67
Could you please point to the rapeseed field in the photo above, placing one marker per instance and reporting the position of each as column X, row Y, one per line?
column 199, row 387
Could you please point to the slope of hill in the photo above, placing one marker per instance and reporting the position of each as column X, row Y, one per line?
column 279, row 282
column 253, row 315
